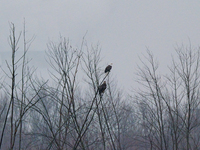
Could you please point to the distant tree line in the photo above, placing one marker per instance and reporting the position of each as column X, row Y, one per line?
column 67, row 112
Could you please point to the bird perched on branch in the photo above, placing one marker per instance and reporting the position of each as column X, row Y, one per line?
column 108, row 68
column 102, row 88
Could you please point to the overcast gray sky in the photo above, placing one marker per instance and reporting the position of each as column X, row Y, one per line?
column 124, row 28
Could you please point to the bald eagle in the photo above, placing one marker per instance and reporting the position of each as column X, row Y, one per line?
column 102, row 88
column 108, row 68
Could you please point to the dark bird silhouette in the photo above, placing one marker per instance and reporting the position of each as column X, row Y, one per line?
column 102, row 88
column 108, row 68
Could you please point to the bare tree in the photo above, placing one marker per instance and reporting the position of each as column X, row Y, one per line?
column 20, row 102
column 168, row 104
